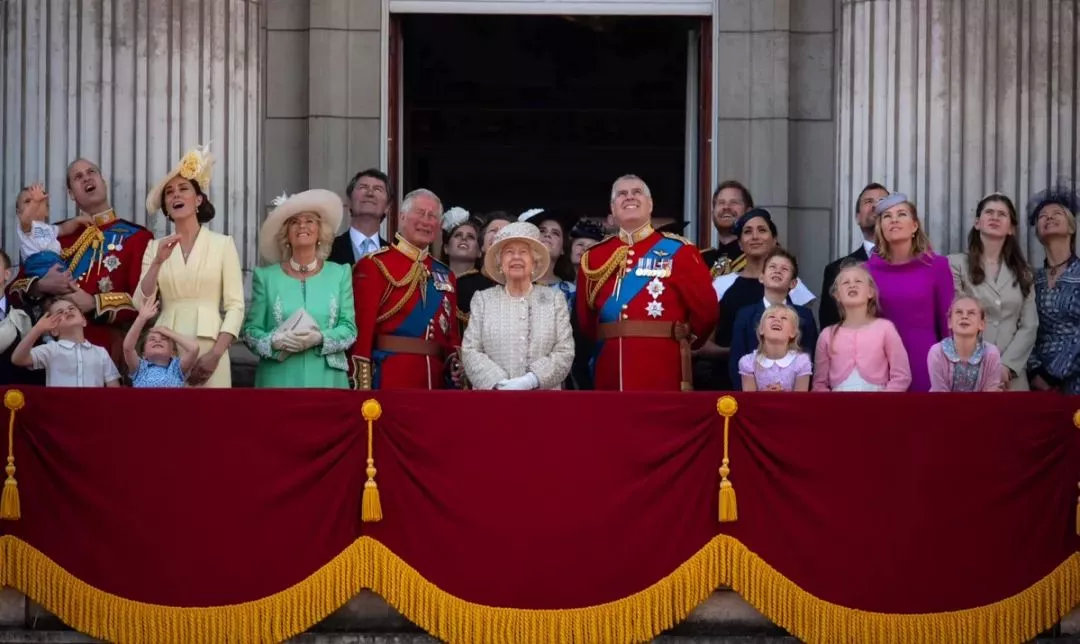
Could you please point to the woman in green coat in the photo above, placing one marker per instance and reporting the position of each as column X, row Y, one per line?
column 301, row 322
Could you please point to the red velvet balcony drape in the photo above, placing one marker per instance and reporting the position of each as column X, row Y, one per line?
column 551, row 516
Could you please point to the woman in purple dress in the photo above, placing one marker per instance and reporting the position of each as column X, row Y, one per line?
column 915, row 286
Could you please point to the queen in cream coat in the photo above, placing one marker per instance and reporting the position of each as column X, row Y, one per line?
column 1011, row 318
column 195, row 272
column 519, row 335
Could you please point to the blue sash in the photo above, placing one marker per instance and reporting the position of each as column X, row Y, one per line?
column 632, row 283
column 413, row 326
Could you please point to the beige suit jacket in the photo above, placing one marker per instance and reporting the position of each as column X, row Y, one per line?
column 508, row 337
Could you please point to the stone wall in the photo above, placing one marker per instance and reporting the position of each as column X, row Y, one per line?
column 775, row 125
column 323, row 101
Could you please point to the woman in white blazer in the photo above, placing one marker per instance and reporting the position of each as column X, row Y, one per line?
column 994, row 272
column 195, row 271
column 519, row 335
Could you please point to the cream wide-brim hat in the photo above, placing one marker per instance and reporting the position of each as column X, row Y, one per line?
column 197, row 165
column 326, row 204
column 518, row 231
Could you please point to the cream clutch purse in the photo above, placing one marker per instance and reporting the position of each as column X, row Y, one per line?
column 300, row 323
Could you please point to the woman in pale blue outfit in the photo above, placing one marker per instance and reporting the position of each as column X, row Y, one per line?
column 301, row 320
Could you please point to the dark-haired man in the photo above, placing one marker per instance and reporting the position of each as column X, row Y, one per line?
column 104, row 262
column 730, row 200
column 828, row 313
column 369, row 197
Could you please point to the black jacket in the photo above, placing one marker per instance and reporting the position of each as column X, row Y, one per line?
column 342, row 250
column 828, row 313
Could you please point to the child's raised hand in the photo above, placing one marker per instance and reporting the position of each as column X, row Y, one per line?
column 149, row 308
column 84, row 219
column 47, row 323
column 37, row 193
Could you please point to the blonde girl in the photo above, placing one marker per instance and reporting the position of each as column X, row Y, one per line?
column 862, row 352
column 777, row 364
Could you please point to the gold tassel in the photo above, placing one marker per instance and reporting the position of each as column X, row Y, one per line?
column 729, row 509
column 9, row 500
column 370, row 505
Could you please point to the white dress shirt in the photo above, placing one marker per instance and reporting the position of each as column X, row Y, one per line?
column 358, row 238
column 869, row 247
column 70, row 364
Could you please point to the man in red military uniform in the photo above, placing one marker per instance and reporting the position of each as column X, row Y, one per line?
column 646, row 297
column 103, row 260
column 406, row 307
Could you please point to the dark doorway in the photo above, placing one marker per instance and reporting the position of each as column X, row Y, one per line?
column 517, row 112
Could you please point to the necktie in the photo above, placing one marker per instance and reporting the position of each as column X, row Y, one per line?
column 367, row 248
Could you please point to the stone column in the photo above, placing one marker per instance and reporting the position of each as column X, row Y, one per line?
column 323, row 100
column 947, row 101
column 775, row 126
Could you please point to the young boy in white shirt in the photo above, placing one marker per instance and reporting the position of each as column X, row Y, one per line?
column 71, row 361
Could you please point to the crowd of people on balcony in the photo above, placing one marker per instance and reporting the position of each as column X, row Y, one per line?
column 540, row 300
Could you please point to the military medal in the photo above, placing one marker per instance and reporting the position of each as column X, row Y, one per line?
column 655, row 287
column 111, row 263
column 442, row 282
column 105, row 285
column 655, row 309
column 443, row 324
column 117, row 243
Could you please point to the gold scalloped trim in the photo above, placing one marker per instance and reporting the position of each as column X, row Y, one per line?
column 366, row 563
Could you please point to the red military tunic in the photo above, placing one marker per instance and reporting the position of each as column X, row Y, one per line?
column 106, row 260
column 659, row 278
column 406, row 320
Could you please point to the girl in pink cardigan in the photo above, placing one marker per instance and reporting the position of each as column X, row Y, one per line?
column 862, row 352
column 964, row 362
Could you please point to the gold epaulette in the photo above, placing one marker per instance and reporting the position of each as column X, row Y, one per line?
column 678, row 238
column 107, row 302
column 595, row 278
column 21, row 285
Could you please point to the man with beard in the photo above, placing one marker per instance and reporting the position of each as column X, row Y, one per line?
column 369, row 198
column 828, row 313
column 730, row 201
column 103, row 259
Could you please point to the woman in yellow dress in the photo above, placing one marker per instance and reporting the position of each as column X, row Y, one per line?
column 195, row 271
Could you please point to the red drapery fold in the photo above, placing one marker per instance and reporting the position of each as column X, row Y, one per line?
column 549, row 500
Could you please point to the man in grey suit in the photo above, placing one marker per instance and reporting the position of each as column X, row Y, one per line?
column 369, row 197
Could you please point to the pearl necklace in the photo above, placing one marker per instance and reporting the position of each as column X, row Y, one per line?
column 303, row 268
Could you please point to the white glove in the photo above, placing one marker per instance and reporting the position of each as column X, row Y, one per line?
column 308, row 339
column 521, row 383
column 285, row 341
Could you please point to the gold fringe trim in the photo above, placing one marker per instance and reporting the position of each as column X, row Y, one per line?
column 366, row 563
